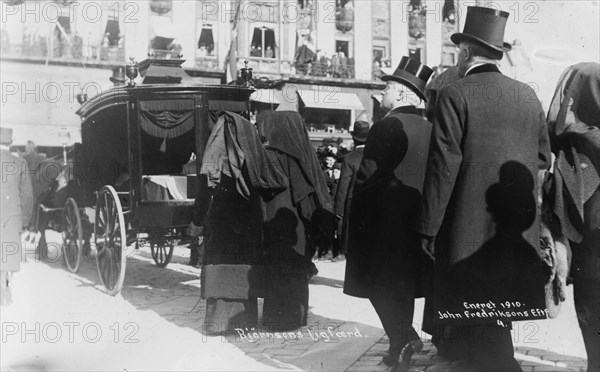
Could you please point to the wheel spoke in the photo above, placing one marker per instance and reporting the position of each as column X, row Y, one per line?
column 109, row 206
column 116, row 231
column 108, row 269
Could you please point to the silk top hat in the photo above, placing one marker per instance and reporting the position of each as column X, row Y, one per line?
column 411, row 73
column 360, row 131
column 118, row 75
column 484, row 26
column 6, row 135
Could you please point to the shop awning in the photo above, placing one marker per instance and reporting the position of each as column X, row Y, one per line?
column 331, row 100
column 265, row 96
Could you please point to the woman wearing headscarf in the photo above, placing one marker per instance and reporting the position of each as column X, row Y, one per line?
column 574, row 125
column 236, row 169
column 296, row 220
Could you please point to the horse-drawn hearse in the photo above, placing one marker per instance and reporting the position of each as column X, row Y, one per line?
column 126, row 182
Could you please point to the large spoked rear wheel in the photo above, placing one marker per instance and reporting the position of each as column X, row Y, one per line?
column 72, row 235
column 162, row 251
column 110, row 238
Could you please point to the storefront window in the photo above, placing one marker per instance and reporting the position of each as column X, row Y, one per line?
column 449, row 26
column 162, row 42
column 112, row 48
column 342, row 61
column 264, row 29
column 207, row 19
column 381, row 36
column 263, row 43
column 68, row 36
column 417, row 30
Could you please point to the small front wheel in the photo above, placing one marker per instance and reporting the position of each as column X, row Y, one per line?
column 162, row 251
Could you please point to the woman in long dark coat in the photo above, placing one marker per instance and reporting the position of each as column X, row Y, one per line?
column 574, row 124
column 237, row 169
column 296, row 220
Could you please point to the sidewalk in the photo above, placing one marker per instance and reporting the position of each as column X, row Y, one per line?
column 427, row 360
column 63, row 321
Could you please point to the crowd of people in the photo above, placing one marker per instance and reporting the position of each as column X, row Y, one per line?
column 446, row 207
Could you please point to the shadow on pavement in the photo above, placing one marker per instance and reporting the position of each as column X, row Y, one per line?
column 334, row 283
column 530, row 359
column 173, row 293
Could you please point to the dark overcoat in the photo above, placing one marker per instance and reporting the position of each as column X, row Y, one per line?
column 489, row 139
column 17, row 204
column 383, row 257
column 343, row 196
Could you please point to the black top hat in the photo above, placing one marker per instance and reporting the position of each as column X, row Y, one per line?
column 411, row 73
column 484, row 26
column 360, row 131
column 118, row 75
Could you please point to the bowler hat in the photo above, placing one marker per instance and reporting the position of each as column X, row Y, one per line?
column 411, row 73
column 6, row 136
column 118, row 75
column 360, row 131
column 484, row 26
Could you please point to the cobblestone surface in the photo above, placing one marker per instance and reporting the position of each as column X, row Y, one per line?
column 155, row 323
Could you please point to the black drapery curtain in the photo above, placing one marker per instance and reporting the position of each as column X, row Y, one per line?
column 167, row 119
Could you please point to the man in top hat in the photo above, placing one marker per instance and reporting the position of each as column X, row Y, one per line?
column 17, row 205
column 343, row 196
column 489, row 140
column 118, row 77
column 384, row 260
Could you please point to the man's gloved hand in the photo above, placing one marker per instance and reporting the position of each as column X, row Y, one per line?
column 196, row 231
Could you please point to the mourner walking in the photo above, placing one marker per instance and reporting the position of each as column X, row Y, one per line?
column 479, row 198
column 574, row 124
column 384, row 262
column 237, row 168
column 296, row 218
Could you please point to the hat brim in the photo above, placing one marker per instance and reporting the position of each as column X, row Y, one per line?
column 360, row 138
column 115, row 80
column 459, row 36
column 406, row 82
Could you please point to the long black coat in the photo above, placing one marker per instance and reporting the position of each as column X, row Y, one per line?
column 343, row 196
column 489, row 139
column 384, row 258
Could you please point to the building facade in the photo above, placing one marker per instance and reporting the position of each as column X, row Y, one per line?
column 320, row 57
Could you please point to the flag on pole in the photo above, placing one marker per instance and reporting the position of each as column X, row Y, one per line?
column 231, row 61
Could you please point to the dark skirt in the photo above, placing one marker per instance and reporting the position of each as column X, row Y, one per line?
column 232, row 248
column 286, row 296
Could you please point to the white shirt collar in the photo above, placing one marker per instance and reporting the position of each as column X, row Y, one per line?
column 474, row 65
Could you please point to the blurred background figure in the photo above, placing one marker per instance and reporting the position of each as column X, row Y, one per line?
column 343, row 196
column 17, row 205
column 118, row 77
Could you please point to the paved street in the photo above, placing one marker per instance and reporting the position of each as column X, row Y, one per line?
column 63, row 321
